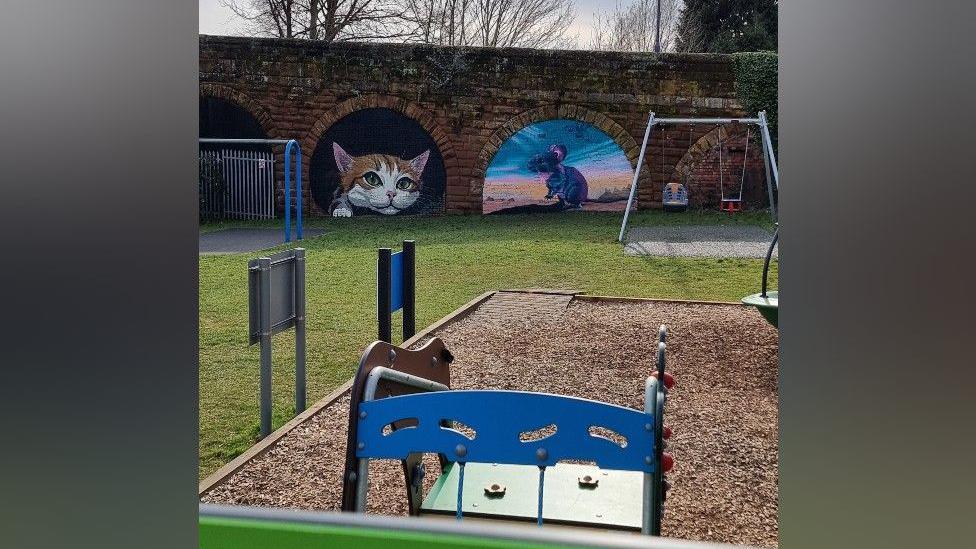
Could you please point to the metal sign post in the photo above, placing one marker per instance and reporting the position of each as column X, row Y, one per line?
column 276, row 302
column 396, row 289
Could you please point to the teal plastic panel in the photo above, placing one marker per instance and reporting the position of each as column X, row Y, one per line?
column 614, row 503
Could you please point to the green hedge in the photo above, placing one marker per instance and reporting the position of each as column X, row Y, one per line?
column 756, row 85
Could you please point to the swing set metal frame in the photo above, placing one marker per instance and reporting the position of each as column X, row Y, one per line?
column 772, row 170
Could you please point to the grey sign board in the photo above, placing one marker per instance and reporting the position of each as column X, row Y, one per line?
column 276, row 302
column 282, row 298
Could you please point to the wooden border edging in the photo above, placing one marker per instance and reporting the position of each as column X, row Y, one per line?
column 219, row 476
column 610, row 298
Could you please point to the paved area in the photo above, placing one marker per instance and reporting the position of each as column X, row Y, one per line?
column 235, row 241
column 700, row 241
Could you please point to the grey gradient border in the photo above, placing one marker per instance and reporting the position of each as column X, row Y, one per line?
column 99, row 325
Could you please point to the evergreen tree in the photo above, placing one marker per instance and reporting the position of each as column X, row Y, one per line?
column 728, row 26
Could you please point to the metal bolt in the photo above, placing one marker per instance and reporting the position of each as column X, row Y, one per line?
column 588, row 481
column 648, row 426
column 495, row 490
column 474, row 505
column 460, row 450
column 433, row 361
column 598, row 515
column 648, row 460
column 361, row 445
column 362, row 415
column 542, row 454
column 392, row 355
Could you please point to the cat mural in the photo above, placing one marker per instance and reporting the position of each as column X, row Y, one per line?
column 565, row 183
column 379, row 182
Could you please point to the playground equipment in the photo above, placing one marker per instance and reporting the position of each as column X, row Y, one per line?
column 674, row 197
column 772, row 171
column 732, row 203
column 767, row 302
column 495, row 447
column 290, row 145
column 396, row 288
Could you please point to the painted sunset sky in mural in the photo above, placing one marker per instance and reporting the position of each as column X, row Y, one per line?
column 581, row 167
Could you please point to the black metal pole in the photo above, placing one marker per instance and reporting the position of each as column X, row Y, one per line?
column 409, row 289
column 383, row 316
column 769, row 254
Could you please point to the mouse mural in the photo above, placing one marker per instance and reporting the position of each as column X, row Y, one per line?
column 557, row 166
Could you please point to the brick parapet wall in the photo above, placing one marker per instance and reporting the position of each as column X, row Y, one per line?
column 469, row 100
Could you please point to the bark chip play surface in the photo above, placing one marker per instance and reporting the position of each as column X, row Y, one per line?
column 723, row 409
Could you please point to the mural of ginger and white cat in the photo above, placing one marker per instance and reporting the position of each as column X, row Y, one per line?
column 382, row 183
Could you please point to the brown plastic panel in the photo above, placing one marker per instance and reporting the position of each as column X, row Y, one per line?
column 432, row 361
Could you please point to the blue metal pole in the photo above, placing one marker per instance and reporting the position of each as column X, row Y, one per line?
column 298, row 186
column 288, row 190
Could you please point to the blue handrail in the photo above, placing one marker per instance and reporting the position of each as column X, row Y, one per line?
column 292, row 144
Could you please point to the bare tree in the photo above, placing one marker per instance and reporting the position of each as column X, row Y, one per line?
column 267, row 17
column 633, row 27
column 493, row 23
column 522, row 23
column 326, row 20
column 443, row 22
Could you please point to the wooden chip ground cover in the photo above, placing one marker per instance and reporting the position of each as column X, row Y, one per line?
column 723, row 410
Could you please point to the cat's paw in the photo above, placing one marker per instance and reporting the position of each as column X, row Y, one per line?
column 341, row 212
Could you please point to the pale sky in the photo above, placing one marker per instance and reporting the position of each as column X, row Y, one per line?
column 215, row 18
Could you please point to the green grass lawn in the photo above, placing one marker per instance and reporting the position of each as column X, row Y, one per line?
column 458, row 257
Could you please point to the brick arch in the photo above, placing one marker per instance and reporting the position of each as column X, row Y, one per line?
column 702, row 151
column 243, row 101
column 423, row 117
column 699, row 151
column 549, row 112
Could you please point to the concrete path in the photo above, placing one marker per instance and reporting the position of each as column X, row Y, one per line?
column 700, row 241
column 235, row 241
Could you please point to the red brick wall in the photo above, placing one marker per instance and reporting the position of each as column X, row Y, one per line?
column 470, row 100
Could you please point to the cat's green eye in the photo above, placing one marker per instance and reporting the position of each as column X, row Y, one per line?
column 405, row 184
column 372, row 179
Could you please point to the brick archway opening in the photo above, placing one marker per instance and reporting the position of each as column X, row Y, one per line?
column 701, row 169
column 607, row 125
column 241, row 100
column 425, row 119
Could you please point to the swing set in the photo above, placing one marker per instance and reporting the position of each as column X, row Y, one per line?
column 675, row 195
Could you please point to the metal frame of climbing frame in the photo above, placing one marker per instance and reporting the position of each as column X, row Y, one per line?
column 772, row 171
column 290, row 145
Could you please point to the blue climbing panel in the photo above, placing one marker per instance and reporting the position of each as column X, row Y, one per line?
column 583, row 429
